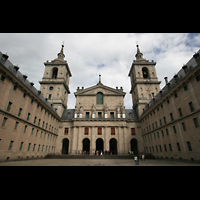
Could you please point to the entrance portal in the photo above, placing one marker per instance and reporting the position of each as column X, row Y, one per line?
column 113, row 146
column 134, row 146
column 99, row 144
column 65, row 146
column 86, row 145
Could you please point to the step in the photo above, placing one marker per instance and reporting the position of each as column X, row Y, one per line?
column 65, row 156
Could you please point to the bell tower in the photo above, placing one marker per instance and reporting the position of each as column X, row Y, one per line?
column 55, row 82
column 144, row 82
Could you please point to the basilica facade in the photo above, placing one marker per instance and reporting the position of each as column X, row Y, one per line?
column 165, row 123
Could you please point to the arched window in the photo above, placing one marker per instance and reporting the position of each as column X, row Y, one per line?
column 99, row 98
column 145, row 72
column 55, row 72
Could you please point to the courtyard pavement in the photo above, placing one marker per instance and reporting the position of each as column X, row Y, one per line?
column 98, row 162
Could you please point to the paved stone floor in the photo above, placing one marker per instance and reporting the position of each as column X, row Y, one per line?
column 97, row 162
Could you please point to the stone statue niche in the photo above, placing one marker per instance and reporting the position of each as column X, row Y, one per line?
column 93, row 111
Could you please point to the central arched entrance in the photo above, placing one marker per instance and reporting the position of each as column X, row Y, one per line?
column 134, row 147
column 65, row 146
column 99, row 144
column 86, row 145
column 113, row 146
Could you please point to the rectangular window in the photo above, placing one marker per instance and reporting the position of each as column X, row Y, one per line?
column 132, row 131
column 174, row 128
column 11, row 144
column 162, row 133
column 21, row 145
column 160, row 148
column 35, row 120
column 86, row 131
column 25, row 128
column 29, row 145
column 15, row 87
column 170, row 147
column 49, row 96
column 28, row 116
column 32, row 131
column 191, row 107
column 171, row 116
column 158, row 134
column 34, row 147
column 178, row 146
column 39, row 122
column 16, row 124
column 189, row 146
column 66, row 131
column 167, row 132
column 9, row 106
column 184, row 127
column 87, row 115
column 196, row 123
column 180, row 112
column 112, row 131
column 3, row 77
column 164, row 120
column 160, row 122
column 99, row 115
column 198, row 78
column 39, row 147
column 185, row 87
column 99, row 131
column 4, row 121
column 165, row 147
column 112, row 115
column 24, row 95
column 19, row 113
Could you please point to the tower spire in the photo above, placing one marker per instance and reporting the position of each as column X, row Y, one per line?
column 139, row 55
column 61, row 55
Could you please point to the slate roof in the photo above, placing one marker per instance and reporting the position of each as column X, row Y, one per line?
column 192, row 63
column 23, row 79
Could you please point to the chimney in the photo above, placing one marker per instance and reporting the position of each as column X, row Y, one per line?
column 166, row 80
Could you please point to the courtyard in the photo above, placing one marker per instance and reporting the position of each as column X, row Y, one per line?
column 99, row 162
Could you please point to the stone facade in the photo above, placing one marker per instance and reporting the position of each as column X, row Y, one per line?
column 162, row 122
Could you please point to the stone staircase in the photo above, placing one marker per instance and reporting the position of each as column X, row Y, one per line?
column 65, row 156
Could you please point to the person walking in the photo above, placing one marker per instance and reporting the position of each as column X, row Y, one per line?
column 142, row 156
column 135, row 160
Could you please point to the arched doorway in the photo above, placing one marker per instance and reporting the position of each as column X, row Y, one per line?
column 99, row 144
column 86, row 145
column 134, row 147
column 113, row 146
column 65, row 146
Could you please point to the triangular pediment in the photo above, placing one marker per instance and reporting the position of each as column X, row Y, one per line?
column 91, row 91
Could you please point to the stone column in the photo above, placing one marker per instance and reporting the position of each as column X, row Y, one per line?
column 74, row 140
column 92, row 145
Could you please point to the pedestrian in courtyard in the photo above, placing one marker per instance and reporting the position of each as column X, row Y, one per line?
column 142, row 156
column 135, row 160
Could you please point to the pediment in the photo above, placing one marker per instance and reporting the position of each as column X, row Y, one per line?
column 92, row 91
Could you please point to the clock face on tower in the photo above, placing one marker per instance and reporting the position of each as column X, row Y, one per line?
column 148, row 89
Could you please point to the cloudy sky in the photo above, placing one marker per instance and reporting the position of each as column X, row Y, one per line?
column 91, row 54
